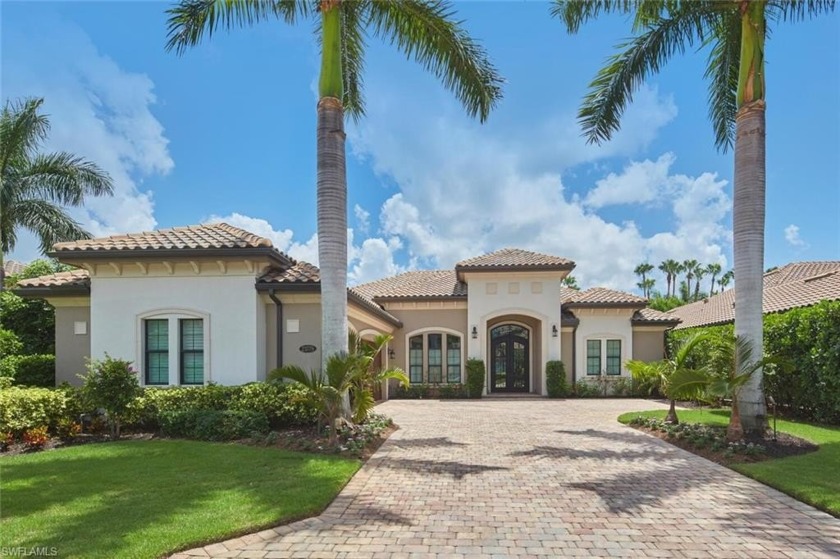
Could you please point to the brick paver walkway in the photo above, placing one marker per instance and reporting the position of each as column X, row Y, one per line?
column 532, row 478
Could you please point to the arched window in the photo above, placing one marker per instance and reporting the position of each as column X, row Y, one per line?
column 174, row 347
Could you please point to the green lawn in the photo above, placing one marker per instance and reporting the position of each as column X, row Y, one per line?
column 812, row 478
column 147, row 498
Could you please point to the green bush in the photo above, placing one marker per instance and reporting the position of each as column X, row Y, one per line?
column 475, row 377
column 807, row 340
column 555, row 379
column 452, row 391
column 585, row 388
column 23, row 408
column 412, row 392
column 10, row 344
column 30, row 370
column 111, row 384
column 284, row 405
column 213, row 425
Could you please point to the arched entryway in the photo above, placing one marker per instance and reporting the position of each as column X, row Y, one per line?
column 510, row 358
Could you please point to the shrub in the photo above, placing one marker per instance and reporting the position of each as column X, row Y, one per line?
column 67, row 429
column 412, row 392
column 10, row 344
column 7, row 439
column 284, row 405
column 111, row 384
column 32, row 370
column 22, row 408
column 475, row 378
column 587, row 389
column 36, row 438
column 555, row 379
column 213, row 425
column 452, row 391
column 146, row 409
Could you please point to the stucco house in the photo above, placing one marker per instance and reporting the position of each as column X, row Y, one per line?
column 215, row 303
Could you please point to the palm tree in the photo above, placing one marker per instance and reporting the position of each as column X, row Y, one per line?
column 35, row 187
column 713, row 270
column 690, row 268
column 735, row 31
column 642, row 270
column 671, row 268
column 699, row 273
column 646, row 285
column 425, row 30
column 570, row 282
column 726, row 279
column 656, row 376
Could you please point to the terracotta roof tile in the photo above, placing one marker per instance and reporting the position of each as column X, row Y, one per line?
column 799, row 284
column 648, row 315
column 513, row 258
column 601, row 296
column 300, row 272
column 72, row 278
column 208, row 236
column 418, row 284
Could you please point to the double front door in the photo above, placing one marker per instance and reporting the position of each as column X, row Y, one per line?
column 510, row 358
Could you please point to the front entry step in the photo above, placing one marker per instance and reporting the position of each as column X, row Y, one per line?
column 512, row 396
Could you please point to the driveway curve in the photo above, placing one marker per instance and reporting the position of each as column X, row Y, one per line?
column 541, row 478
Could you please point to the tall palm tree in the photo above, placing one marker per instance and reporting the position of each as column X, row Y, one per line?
column 671, row 268
column 663, row 267
column 726, row 279
column 425, row 30
column 646, row 285
column 35, row 187
column 642, row 271
column 699, row 274
column 713, row 270
column 690, row 269
column 735, row 31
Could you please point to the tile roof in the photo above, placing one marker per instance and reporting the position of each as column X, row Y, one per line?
column 600, row 297
column 194, row 237
column 515, row 258
column 799, row 284
column 300, row 272
column 418, row 284
column 12, row 267
column 653, row 316
column 72, row 278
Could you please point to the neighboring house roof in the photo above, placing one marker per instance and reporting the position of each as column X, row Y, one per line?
column 799, row 284
column 600, row 297
column 424, row 284
column 508, row 259
column 12, row 267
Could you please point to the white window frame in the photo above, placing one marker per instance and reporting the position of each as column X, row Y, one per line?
column 603, row 338
column 173, row 315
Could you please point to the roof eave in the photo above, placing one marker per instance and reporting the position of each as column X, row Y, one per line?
column 53, row 291
column 621, row 305
column 103, row 254
column 397, row 298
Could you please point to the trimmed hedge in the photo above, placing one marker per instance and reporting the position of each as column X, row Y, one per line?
column 24, row 408
column 213, row 425
column 475, row 377
column 808, row 340
column 30, row 370
column 429, row 391
column 555, row 379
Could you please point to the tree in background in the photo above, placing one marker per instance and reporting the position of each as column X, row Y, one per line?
column 645, row 284
column 35, row 187
column 570, row 281
column 735, row 32
column 670, row 268
column 32, row 320
column 699, row 274
column 425, row 30
column 726, row 279
column 713, row 270
column 690, row 268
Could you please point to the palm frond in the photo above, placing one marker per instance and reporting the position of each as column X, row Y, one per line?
column 798, row 10
column 50, row 223
column 687, row 347
column 64, row 178
column 353, row 56
column 426, row 31
column 22, row 129
column 190, row 20
column 575, row 13
column 687, row 384
column 722, row 72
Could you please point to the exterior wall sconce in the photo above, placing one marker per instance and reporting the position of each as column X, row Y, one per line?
column 474, row 333
column 553, row 330
column 391, row 353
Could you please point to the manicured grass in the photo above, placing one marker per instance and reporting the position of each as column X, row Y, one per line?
column 812, row 478
column 147, row 498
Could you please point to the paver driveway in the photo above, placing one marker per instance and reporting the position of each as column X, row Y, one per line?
column 530, row 478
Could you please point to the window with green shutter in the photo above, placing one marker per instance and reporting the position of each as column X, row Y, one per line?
column 593, row 357
column 156, row 343
column 613, row 357
column 192, row 350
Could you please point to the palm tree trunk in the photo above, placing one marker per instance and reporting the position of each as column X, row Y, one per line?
column 672, row 414
column 332, row 189
column 748, row 210
column 735, row 431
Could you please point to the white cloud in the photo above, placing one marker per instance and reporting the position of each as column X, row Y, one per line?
column 98, row 111
column 375, row 260
column 281, row 239
column 793, row 237
column 362, row 218
column 465, row 190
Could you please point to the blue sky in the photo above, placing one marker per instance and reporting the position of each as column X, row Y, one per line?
column 227, row 131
